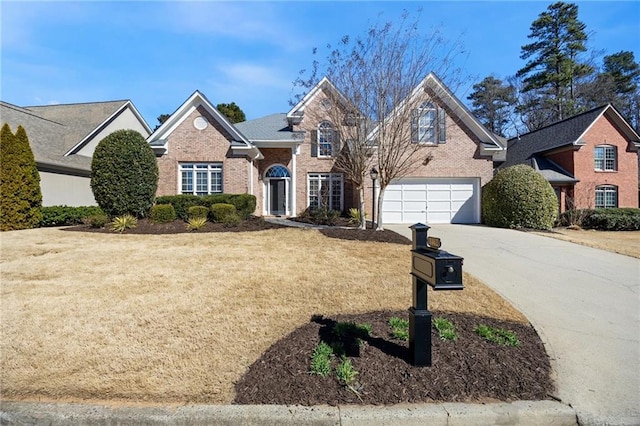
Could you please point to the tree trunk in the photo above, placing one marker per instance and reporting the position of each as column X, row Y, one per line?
column 363, row 219
column 379, row 218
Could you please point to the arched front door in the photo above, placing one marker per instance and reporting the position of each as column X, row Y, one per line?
column 277, row 180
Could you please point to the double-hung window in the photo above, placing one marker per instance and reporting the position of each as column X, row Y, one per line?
column 325, row 139
column 606, row 196
column 428, row 124
column 605, row 157
column 200, row 178
column 325, row 190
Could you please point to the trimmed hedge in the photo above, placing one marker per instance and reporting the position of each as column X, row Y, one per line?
column 245, row 204
column 124, row 174
column 67, row 216
column 223, row 213
column 196, row 212
column 620, row 219
column 162, row 213
column 519, row 197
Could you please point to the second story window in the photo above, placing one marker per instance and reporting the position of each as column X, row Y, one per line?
column 605, row 158
column 428, row 124
column 325, row 139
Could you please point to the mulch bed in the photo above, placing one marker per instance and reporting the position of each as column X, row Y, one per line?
column 252, row 224
column 468, row 369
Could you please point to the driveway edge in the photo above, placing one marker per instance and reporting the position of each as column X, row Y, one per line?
column 446, row 414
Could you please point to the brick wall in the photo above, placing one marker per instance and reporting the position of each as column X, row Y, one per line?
column 604, row 132
column 188, row 144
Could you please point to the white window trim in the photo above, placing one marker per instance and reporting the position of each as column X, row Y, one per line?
column 210, row 167
column 605, row 149
column 326, row 126
column 330, row 177
column 604, row 189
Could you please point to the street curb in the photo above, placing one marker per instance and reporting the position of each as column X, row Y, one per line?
column 446, row 414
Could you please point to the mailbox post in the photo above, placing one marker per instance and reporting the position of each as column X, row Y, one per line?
column 433, row 267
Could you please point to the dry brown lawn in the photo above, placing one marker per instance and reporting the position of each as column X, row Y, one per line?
column 179, row 318
column 623, row 242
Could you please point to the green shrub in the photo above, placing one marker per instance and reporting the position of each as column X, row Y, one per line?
column 20, row 195
column 67, row 216
column 121, row 223
column 198, row 212
column 321, row 360
column 620, row 219
column 221, row 212
column 124, row 174
column 446, row 329
column 231, row 221
column 162, row 213
column 97, row 221
column 245, row 204
column 519, row 197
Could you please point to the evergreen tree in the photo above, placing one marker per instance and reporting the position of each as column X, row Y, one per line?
column 554, row 66
column 20, row 195
column 161, row 119
column 232, row 112
column 492, row 100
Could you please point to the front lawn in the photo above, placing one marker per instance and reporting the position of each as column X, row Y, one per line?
column 180, row 318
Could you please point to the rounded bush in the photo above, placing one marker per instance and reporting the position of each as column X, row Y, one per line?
column 124, row 174
column 222, row 211
column 196, row 212
column 162, row 213
column 519, row 197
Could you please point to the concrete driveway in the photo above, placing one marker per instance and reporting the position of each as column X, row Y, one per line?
column 584, row 303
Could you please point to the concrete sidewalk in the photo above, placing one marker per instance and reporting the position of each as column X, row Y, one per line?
column 528, row 413
column 583, row 302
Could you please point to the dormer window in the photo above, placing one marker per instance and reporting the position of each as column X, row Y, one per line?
column 428, row 124
column 326, row 138
column 605, row 157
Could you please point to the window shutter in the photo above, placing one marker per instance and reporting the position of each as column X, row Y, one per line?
column 314, row 143
column 414, row 125
column 442, row 126
column 335, row 151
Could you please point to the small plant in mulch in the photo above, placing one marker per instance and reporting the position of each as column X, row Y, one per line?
column 497, row 335
column 446, row 329
column 121, row 223
column 399, row 328
column 196, row 223
column 346, row 337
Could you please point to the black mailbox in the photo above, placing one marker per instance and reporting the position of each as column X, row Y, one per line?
column 433, row 267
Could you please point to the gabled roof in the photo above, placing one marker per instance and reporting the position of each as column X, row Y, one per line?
column 491, row 143
column 297, row 112
column 84, row 120
column 564, row 133
column 158, row 139
column 271, row 130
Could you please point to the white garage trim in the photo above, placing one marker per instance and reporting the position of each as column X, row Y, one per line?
column 432, row 200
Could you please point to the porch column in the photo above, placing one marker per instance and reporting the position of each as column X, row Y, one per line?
column 294, row 153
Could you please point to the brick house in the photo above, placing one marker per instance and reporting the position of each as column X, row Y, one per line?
column 591, row 159
column 287, row 160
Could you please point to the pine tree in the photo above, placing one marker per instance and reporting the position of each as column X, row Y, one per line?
column 492, row 100
column 20, row 195
column 554, row 66
column 232, row 112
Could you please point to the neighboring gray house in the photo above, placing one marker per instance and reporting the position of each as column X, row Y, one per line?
column 63, row 138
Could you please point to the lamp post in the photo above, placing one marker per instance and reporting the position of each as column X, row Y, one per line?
column 374, row 176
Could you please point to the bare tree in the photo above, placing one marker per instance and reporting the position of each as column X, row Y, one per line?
column 380, row 79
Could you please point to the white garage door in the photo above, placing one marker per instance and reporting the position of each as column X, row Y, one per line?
column 432, row 201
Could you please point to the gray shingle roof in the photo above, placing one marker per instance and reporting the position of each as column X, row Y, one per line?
column 54, row 129
column 272, row 127
column 79, row 119
column 565, row 132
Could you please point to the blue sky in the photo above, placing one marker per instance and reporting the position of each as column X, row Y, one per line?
column 158, row 53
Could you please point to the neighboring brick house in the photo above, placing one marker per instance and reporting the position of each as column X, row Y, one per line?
column 63, row 138
column 591, row 159
column 287, row 160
